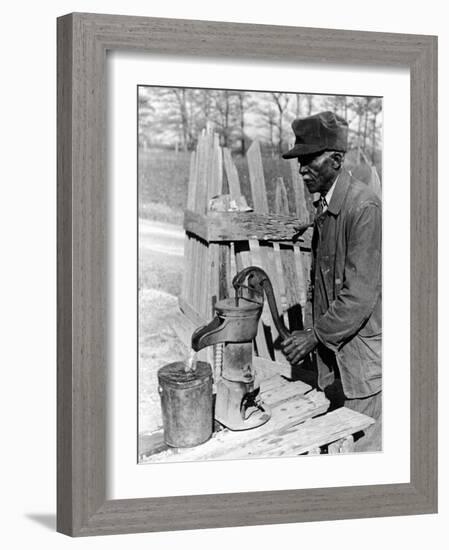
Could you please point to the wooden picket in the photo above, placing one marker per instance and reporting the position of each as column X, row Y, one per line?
column 298, row 188
column 200, row 288
column 256, row 178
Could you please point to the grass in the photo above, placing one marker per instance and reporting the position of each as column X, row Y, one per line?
column 160, row 272
column 163, row 181
column 164, row 178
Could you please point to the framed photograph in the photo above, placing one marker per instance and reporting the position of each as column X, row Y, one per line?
column 235, row 202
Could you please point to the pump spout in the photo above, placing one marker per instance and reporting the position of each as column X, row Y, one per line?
column 207, row 335
column 232, row 323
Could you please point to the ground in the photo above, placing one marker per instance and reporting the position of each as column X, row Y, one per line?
column 160, row 274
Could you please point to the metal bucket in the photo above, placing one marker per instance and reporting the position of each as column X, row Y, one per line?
column 186, row 401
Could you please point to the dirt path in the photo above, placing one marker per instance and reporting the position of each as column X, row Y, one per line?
column 164, row 238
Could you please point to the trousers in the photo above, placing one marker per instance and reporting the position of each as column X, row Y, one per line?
column 370, row 440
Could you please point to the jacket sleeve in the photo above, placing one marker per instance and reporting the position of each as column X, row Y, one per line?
column 361, row 286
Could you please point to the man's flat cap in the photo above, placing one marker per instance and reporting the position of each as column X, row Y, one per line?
column 321, row 132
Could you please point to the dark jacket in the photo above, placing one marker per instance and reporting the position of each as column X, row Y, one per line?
column 347, row 288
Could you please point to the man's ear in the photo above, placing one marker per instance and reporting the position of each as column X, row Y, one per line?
column 338, row 159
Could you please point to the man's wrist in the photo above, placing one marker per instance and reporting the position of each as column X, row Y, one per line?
column 310, row 330
column 312, row 335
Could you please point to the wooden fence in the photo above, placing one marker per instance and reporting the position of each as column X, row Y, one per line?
column 218, row 244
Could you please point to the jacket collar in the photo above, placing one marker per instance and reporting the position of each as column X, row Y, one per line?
column 339, row 194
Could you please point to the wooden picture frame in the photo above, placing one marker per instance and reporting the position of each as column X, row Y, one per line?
column 83, row 41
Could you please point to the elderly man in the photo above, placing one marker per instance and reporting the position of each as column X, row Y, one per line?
column 346, row 274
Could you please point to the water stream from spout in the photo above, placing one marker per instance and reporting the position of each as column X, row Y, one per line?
column 191, row 361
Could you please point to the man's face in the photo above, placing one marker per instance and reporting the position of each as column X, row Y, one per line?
column 318, row 171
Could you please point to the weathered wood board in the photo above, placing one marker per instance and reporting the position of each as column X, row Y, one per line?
column 298, row 189
column 231, row 174
column 256, row 178
column 281, row 198
column 313, row 433
column 241, row 226
column 266, row 369
column 261, row 342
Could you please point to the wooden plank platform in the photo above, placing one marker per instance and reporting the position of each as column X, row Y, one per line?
column 299, row 424
column 290, row 402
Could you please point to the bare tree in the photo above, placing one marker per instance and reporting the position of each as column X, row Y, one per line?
column 376, row 108
column 281, row 101
column 146, row 112
column 176, row 116
column 180, row 95
column 271, row 119
column 366, row 117
column 225, row 114
column 358, row 107
column 309, row 103
column 242, row 102
column 298, row 105
column 338, row 104
column 158, row 114
column 202, row 101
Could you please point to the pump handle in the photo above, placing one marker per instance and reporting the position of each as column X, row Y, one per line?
column 258, row 281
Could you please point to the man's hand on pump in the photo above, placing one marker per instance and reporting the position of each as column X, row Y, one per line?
column 297, row 346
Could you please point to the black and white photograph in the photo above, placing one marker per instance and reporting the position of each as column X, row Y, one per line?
column 259, row 274
column 220, row 275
